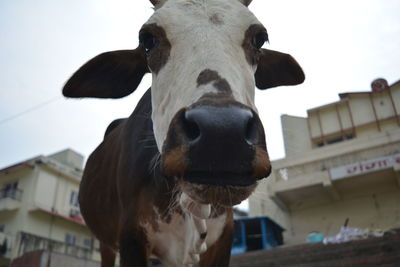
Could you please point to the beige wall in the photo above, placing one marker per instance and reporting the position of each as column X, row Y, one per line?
column 300, row 194
column 362, row 113
column 396, row 96
column 295, row 131
column 53, row 191
column 55, row 228
column 375, row 211
column 45, row 190
column 70, row 158
column 301, row 200
column 44, row 208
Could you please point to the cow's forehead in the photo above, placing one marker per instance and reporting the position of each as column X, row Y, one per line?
column 203, row 36
column 181, row 17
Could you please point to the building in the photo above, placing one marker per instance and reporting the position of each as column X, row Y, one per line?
column 39, row 208
column 342, row 162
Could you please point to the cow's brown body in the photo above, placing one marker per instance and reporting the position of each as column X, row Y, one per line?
column 163, row 182
column 122, row 187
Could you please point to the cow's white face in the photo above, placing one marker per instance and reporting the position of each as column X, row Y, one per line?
column 205, row 57
column 194, row 37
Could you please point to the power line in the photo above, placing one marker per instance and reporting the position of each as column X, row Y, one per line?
column 38, row 106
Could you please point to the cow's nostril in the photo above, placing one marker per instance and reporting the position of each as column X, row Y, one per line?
column 251, row 131
column 190, row 128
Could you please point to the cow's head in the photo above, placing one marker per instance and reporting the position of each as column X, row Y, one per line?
column 205, row 57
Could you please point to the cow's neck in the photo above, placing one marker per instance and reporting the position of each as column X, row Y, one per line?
column 191, row 228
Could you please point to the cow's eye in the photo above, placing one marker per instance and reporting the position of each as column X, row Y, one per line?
column 259, row 40
column 148, row 41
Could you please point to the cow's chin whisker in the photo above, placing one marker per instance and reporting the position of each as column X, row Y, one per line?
column 199, row 210
column 226, row 196
column 173, row 204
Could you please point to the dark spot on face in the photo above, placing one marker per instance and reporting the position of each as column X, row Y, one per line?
column 203, row 235
column 158, row 56
column 216, row 19
column 222, row 85
column 208, row 76
column 252, row 54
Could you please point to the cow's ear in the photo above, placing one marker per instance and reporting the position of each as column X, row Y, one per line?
column 275, row 69
column 109, row 75
column 157, row 3
column 245, row 2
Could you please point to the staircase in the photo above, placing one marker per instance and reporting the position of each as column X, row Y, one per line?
column 377, row 251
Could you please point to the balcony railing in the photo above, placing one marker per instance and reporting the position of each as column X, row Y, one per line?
column 15, row 194
column 30, row 242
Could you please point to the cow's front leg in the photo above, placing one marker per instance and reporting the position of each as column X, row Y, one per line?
column 133, row 247
column 107, row 256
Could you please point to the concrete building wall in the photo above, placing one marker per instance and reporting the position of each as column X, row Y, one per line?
column 341, row 154
column 344, row 115
column 53, row 191
column 296, row 134
column 69, row 158
column 375, row 211
column 396, row 97
column 356, row 114
column 315, row 128
column 14, row 220
column 55, row 228
column 360, row 133
column 383, row 105
column 48, row 192
column 361, row 109
column 330, row 123
column 45, row 190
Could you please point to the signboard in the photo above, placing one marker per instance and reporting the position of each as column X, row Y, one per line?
column 364, row 167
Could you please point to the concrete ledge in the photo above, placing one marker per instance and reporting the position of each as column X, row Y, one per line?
column 367, row 252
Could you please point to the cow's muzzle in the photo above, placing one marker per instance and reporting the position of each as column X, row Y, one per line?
column 212, row 145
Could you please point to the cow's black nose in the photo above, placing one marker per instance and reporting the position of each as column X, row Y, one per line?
column 211, row 127
column 220, row 144
column 217, row 145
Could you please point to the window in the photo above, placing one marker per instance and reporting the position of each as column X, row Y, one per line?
column 320, row 144
column 334, row 140
column 348, row 135
column 88, row 242
column 73, row 201
column 10, row 190
column 70, row 239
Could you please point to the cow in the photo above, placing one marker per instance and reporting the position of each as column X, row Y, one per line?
column 163, row 182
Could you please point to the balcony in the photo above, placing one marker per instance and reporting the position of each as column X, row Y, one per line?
column 29, row 242
column 10, row 199
column 72, row 215
column 304, row 190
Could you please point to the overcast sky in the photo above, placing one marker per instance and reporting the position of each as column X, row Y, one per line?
column 342, row 46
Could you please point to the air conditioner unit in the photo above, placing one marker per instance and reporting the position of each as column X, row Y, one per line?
column 74, row 212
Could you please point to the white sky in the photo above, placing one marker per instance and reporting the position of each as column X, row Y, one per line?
column 342, row 46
